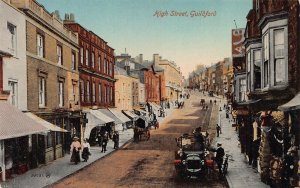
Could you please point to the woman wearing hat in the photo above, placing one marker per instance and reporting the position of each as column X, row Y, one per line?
column 75, row 148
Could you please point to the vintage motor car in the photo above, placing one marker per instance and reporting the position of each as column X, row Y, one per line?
column 190, row 157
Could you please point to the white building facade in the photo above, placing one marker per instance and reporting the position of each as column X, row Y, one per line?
column 13, row 42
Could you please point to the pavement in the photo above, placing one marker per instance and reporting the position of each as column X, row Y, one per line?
column 240, row 174
column 61, row 168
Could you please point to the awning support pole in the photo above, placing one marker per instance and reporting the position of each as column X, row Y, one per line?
column 2, row 148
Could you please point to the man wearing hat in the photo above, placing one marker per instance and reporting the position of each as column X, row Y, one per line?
column 219, row 157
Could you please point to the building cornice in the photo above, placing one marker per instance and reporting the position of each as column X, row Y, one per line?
column 272, row 17
column 93, row 73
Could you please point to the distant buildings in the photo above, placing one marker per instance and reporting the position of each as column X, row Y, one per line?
column 217, row 78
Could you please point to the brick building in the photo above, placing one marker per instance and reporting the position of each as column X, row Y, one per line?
column 96, row 67
column 52, row 78
column 264, row 87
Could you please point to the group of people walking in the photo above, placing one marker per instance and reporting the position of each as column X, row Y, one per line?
column 75, row 150
column 76, row 147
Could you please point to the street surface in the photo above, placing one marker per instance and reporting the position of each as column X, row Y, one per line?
column 148, row 163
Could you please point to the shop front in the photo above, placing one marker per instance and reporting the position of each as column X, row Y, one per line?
column 15, row 142
column 96, row 122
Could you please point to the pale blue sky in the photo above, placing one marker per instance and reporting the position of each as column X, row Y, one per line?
column 187, row 41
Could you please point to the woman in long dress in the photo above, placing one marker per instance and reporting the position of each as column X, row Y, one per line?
column 75, row 149
column 86, row 150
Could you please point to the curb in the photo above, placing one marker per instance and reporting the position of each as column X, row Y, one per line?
column 77, row 171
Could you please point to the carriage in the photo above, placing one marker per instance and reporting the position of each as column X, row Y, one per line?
column 141, row 130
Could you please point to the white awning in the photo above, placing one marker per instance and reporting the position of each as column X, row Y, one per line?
column 95, row 118
column 45, row 123
column 119, row 115
column 14, row 123
column 293, row 104
column 130, row 114
column 111, row 115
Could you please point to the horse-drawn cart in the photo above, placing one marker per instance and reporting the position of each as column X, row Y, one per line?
column 141, row 130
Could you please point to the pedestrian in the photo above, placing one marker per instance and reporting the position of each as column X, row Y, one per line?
column 219, row 157
column 75, row 149
column 218, row 130
column 86, row 150
column 215, row 101
column 104, row 141
column 116, row 139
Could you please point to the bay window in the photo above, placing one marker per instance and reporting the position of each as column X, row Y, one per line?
column 279, row 58
column 248, row 71
column 242, row 89
column 257, row 69
column 266, row 60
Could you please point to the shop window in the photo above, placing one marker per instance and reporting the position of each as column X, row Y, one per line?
column 49, row 139
column 58, row 139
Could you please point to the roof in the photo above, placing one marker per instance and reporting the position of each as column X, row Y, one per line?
column 120, row 71
column 120, row 115
column 45, row 123
column 14, row 123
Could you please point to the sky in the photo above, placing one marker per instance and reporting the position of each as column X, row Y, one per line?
column 134, row 25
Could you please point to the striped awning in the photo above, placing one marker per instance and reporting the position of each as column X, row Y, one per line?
column 14, row 123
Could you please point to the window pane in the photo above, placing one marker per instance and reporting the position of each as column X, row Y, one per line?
column 279, row 70
column 266, row 47
column 266, row 74
column 279, row 36
column 257, row 69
